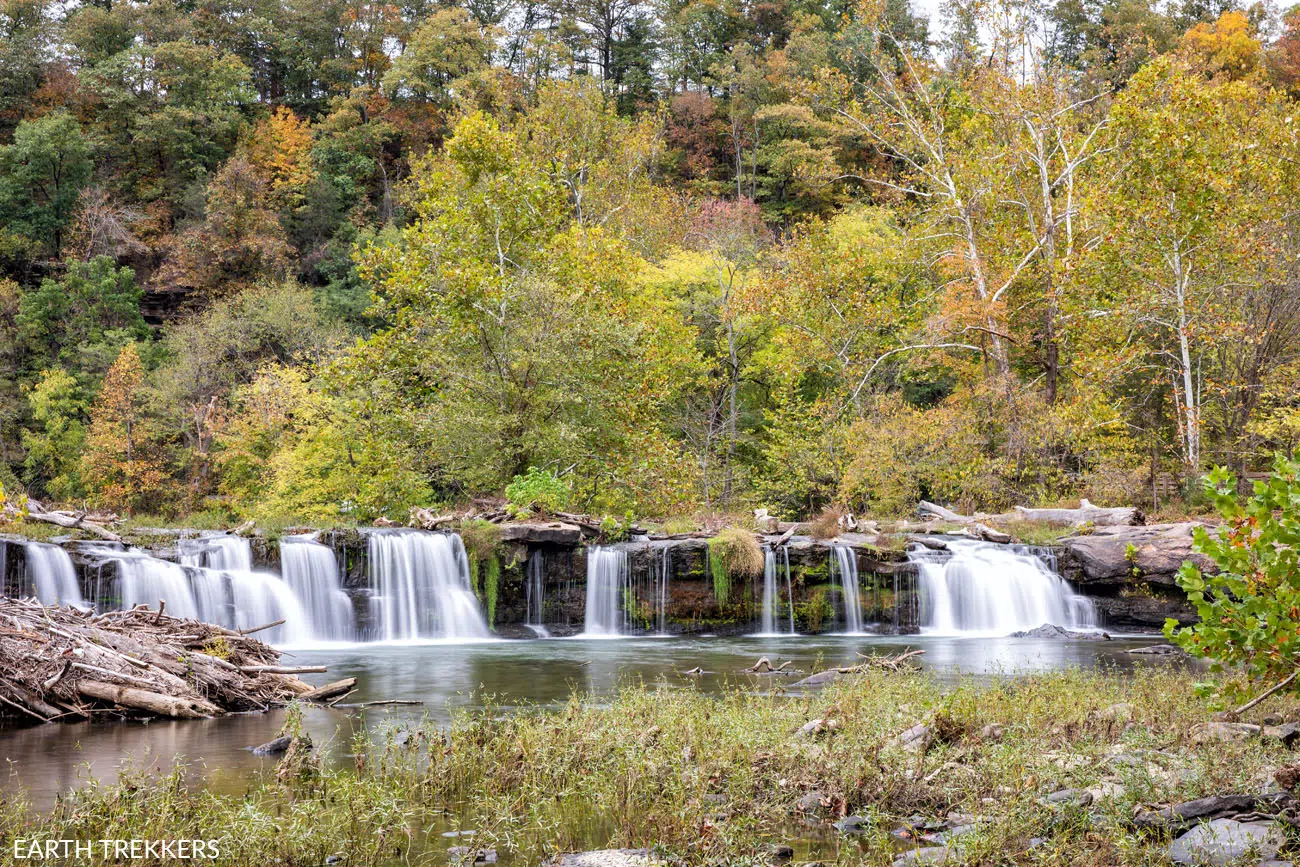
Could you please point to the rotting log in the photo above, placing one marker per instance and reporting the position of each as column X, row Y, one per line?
column 152, row 702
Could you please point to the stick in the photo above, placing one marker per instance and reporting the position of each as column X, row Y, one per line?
column 283, row 669
column 129, row 678
column 260, row 628
column 1271, row 691
column 28, row 711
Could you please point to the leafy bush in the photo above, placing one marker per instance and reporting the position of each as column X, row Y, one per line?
column 734, row 551
column 1250, row 610
column 537, row 490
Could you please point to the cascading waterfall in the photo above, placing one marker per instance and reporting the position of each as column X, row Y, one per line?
column 844, row 569
column 146, row 580
column 535, row 595
column 312, row 574
column 986, row 588
column 606, row 583
column 50, row 571
column 228, row 592
column 421, row 586
column 772, row 562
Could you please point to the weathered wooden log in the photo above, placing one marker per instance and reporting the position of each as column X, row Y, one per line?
column 153, row 702
column 1087, row 513
column 264, row 626
column 329, row 690
column 283, row 669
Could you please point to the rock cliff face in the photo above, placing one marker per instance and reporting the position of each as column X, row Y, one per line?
column 1130, row 572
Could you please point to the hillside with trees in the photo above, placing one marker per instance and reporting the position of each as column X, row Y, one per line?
column 328, row 260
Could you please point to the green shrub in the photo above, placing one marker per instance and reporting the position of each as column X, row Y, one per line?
column 1250, row 609
column 537, row 491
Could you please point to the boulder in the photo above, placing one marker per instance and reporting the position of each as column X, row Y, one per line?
column 853, row 825
column 273, row 748
column 1056, row 633
column 1225, row 841
column 1286, row 734
column 1212, row 732
column 1069, row 798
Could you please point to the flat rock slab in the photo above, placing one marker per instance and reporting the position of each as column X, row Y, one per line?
column 1225, row 841
column 605, row 858
column 1159, row 551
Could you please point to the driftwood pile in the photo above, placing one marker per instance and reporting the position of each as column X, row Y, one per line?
column 427, row 519
column 65, row 664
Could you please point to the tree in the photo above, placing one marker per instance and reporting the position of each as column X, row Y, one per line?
column 517, row 333
column 1201, row 177
column 41, row 176
column 83, row 320
column 54, row 446
column 445, row 48
column 239, row 242
column 122, row 466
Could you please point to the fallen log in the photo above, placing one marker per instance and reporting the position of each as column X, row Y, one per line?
column 329, row 690
column 1087, row 513
column 283, row 669
column 153, row 702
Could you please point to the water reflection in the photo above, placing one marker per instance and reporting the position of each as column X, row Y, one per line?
column 46, row 760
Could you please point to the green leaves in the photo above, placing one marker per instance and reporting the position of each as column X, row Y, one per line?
column 1250, row 609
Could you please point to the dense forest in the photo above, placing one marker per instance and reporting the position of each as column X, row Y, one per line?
column 326, row 259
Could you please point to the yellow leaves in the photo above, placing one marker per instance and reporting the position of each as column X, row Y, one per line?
column 1227, row 47
column 280, row 149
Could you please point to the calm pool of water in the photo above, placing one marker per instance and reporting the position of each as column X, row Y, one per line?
column 49, row 759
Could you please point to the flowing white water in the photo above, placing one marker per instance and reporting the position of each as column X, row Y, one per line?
column 50, row 571
column 146, row 580
column 606, row 583
column 773, row 562
column 228, row 592
column 989, row 589
column 421, row 586
column 312, row 573
column 662, row 586
column 535, row 595
column 844, row 569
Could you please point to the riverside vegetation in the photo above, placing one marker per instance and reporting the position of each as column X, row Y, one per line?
column 319, row 262
column 731, row 779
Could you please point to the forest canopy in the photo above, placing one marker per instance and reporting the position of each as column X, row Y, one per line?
column 329, row 260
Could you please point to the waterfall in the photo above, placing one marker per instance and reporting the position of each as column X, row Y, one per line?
column 606, row 581
column 227, row 591
column 312, row 573
column 146, row 580
column 421, row 586
column 981, row 587
column 535, row 595
column 844, row 567
column 662, row 582
column 771, row 591
column 50, row 570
